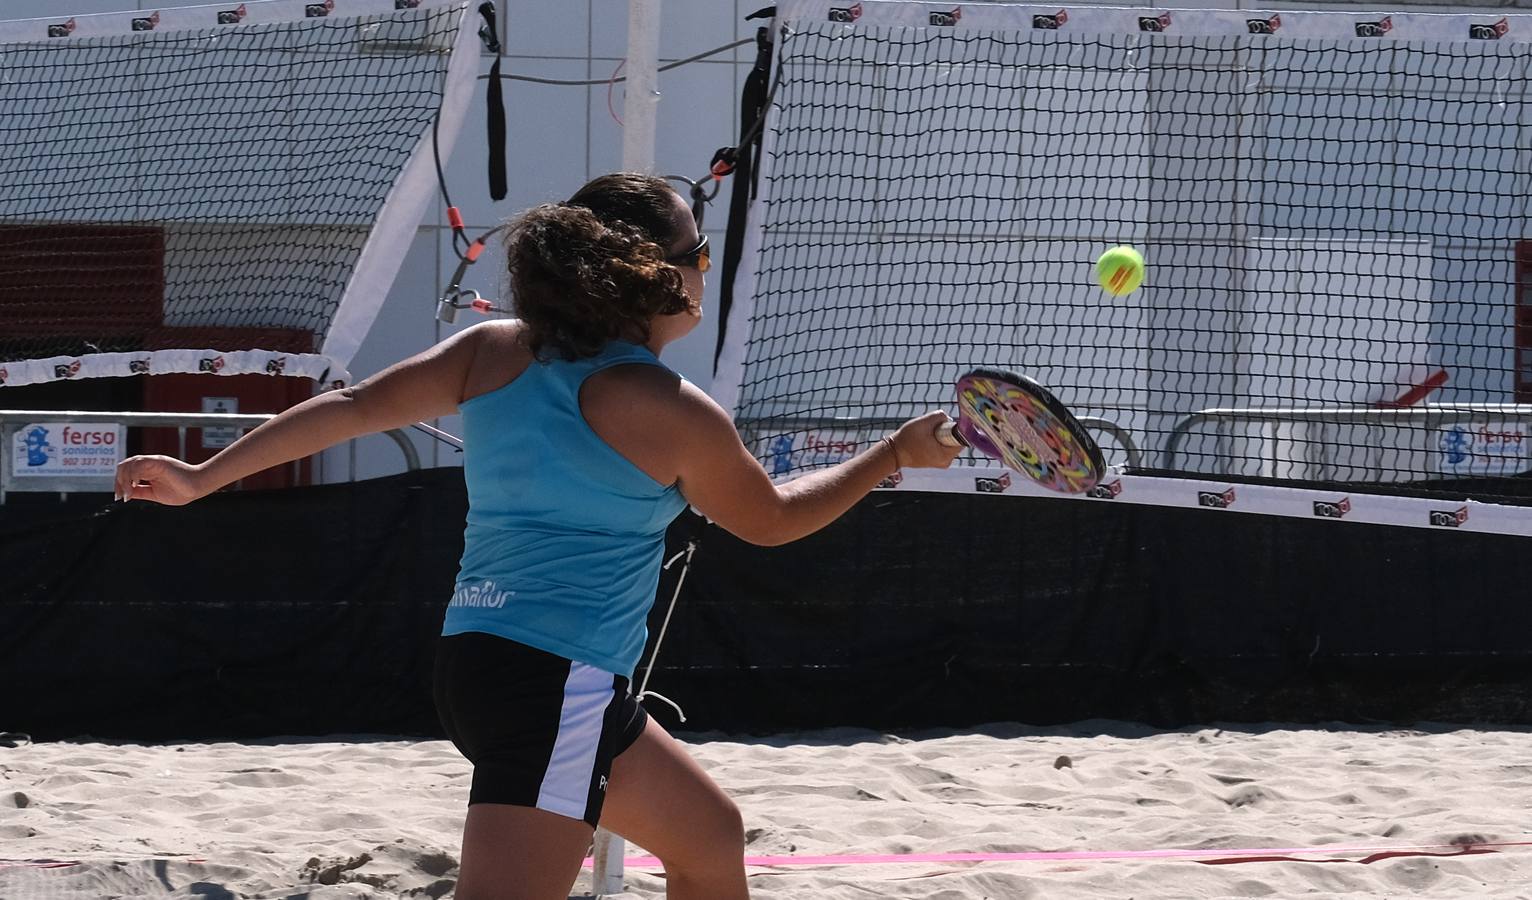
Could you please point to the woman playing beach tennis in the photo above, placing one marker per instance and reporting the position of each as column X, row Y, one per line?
column 580, row 447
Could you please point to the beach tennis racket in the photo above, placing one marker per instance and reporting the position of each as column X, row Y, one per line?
column 1015, row 420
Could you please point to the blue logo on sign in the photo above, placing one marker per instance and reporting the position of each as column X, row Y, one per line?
column 1455, row 445
column 37, row 446
column 781, row 453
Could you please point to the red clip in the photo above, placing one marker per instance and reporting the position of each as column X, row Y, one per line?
column 474, row 250
column 454, row 218
column 724, row 162
column 482, row 305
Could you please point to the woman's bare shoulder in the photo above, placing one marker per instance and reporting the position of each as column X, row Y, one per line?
column 633, row 408
column 634, row 389
column 500, row 355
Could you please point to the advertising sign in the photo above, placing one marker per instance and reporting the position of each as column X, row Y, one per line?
column 64, row 456
column 1483, row 448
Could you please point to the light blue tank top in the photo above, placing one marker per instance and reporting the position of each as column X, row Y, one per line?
column 565, row 536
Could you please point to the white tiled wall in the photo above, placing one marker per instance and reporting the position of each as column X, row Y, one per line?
column 560, row 136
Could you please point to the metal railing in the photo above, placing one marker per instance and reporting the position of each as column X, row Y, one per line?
column 1433, row 414
column 769, row 424
column 181, row 421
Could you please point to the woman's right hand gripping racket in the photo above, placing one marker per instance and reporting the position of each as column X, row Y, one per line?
column 1015, row 420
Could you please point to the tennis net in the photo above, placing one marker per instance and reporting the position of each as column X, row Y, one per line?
column 242, row 179
column 1332, row 207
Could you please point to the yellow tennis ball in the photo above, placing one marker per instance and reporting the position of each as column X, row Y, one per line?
column 1120, row 270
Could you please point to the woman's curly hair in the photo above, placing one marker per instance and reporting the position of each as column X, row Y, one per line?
column 592, row 269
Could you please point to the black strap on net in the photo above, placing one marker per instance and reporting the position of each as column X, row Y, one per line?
column 754, row 100
column 494, row 98
column 468, row 250
column 727, row 161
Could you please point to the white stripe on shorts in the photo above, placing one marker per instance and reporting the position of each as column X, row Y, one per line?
column 566, row 785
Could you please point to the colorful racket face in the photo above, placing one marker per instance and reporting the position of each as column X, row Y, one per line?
column 1015, row 420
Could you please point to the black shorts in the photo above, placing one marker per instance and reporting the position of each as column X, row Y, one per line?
column 540, row 730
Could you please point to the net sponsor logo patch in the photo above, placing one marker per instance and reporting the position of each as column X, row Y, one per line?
column 138, row 366
column 147, row 23
column 1155, row 24
column 1105, row 490
column 1264, row 26
column 993, row 485
column 1051, row 23
column 212, row 364
column 406, row 4
column 1489, row 32
column 276, row 366
column 846, row 13
column 67, row 371
column 318, row 10
column 4, row 375
column 1216, row 499
column 1375, row 29
column 891, row 481
column 232, row 16
column 1443, row 518
column 61, row 29
column 946, row 19
column 1332, row 509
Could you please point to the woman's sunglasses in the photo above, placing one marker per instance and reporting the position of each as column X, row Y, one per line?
column 699, row 257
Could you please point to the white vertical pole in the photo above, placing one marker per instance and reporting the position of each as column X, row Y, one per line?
column 639, row 111
column 606, row 866
column 642, row 103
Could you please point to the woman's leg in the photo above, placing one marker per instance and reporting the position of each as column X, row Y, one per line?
column 519, row 853
column 661, row 800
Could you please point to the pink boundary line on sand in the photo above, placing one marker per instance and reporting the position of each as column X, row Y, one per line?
column 1211, row 856
column 1208, row 856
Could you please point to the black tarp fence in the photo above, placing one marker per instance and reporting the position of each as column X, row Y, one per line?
column 315, row 611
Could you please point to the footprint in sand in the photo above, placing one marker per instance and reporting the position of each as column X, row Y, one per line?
column 1249, row 795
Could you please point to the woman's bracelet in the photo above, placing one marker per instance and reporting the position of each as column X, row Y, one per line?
column 894, row 448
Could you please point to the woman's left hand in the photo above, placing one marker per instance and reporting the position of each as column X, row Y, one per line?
column 160, row 479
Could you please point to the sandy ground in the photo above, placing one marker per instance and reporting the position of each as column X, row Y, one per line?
column 380, row 818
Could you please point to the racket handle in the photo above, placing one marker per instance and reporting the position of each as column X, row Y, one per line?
column 947, row 434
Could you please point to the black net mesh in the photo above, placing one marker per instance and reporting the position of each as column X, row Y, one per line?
column 193, row 188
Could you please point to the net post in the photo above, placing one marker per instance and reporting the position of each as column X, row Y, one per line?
column 641, row 103
column 606, row 863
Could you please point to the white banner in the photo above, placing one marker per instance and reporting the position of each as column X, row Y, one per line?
column 322, row 369
column 1061, row 19
column 148, row 20
column 1224, row 497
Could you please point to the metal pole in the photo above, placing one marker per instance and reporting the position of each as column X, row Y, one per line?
column 606, row 863
column 641, row 105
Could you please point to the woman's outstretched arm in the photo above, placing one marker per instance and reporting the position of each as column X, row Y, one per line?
column 723, row 480
column 425, row 386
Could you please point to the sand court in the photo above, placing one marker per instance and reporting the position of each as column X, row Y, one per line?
column 1272, row 811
